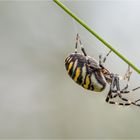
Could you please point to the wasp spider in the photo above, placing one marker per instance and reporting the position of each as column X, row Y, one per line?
column 92, row 75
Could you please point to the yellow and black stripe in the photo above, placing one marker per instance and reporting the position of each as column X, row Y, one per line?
column 82, row 74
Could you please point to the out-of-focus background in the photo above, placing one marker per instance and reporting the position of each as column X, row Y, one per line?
column 37, row 97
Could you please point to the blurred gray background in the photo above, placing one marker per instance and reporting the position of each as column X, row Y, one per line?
column 37, row 97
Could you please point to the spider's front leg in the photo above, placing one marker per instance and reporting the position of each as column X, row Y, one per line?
column 129, row 91
column 115, row 84
column 124, row 91
column 110, row 93
column 127, row 76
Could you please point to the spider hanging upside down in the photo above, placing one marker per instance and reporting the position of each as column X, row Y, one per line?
column 92, row 75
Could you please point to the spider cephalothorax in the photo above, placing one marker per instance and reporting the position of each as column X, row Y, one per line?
column 92, row 75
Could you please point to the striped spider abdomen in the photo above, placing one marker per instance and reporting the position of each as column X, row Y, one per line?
column 83, row 73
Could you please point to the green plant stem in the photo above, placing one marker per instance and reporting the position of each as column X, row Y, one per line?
column 96, row 35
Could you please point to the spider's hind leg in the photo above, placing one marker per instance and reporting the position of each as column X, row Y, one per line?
column 81, row 45
column 76, row 44
column 101, row 61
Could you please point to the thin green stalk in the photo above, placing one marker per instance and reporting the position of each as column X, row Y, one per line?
column 96, row 35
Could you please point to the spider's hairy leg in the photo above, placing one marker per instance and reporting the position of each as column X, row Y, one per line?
column 110, row 95
column 127, row 77
column 130, row 102
column 81, row 46
column 120, row 92
column 115, row 83
column 101, row 61
column 129, row 91
column 137, row 103
column 127, row 74
column 105, row 58
column 76, row 44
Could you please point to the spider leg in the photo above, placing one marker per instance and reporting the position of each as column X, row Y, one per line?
column 127, row 76
column 128, row 91
column 109, row 96
column 101, row 61
column 120, row 92
column 105, row 58
column 137, row 103
column 115, row 83
column 128, row 101
column 81, row 45
column 125, row 92
column 76, row 44
column 125, row 99
column 113, row 96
